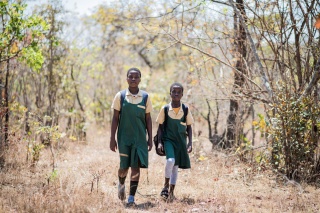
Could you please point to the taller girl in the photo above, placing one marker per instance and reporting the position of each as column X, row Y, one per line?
column 131, row 116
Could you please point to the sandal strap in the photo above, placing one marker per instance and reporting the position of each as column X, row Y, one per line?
column 164, row 192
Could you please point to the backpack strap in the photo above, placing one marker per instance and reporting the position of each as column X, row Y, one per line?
column 185, row 112
column 122, row 97
column 166, row 109
column 144, row 97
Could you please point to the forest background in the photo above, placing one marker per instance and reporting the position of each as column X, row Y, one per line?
column 250, row 71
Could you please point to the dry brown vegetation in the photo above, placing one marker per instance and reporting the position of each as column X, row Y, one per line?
column 86, row 181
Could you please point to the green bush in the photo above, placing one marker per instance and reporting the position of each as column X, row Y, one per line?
column 294, row 133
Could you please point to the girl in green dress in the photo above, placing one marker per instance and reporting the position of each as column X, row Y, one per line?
column 174, row 129
column 131, row 117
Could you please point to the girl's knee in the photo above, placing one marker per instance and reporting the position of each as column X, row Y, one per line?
column 170, row 161
column 123, row 172
column 135, row 171
column 169, row 167
column 135, row 174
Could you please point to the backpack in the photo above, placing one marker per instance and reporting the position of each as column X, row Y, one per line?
column 123, row 95
column 155, row 138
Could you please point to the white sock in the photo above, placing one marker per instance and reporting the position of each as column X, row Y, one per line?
column 174, row 175
column 169, row 167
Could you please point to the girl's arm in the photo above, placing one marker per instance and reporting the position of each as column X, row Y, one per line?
column 149, row 130
column 189, row 131
column 159, row 133
column 114, row 126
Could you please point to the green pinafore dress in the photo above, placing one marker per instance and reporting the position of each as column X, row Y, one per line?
column 132, row 143
column 175, row 143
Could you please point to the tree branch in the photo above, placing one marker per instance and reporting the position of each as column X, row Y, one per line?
column 212, row 56
column 315, row 78
column 253, row 48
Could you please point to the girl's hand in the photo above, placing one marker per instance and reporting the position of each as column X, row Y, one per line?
column 189, row 148
column 160, row 148
column 149, row 144
column 113, row 145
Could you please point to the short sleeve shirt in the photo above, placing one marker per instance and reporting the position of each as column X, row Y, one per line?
column 133, row 99
column 173, row 115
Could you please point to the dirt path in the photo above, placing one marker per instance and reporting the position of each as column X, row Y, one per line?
column 216, row 183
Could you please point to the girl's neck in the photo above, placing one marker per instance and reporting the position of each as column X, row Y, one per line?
column 175, row 104
column 134, row 90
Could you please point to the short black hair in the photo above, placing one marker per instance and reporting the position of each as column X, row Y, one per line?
column 176, row 84
column 134, row 69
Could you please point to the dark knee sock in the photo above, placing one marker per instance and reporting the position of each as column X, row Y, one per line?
column 122, row 179
column 133, row 187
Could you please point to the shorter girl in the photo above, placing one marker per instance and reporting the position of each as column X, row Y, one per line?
column 174, row 126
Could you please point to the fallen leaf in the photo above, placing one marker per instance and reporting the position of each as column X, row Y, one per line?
column 201, row 158
column 317, row 23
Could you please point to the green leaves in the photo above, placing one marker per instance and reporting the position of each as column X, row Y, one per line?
column 294, row 136
column 33, row 57
column 21, row 35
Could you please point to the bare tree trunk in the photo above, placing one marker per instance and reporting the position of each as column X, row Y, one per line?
column 240, row 38
column 242, row 21
column 6, row 105
column 252, row 127
column 27, row 105
column 208, row 121
column 52, row 78
column 2, row 113
column 231, row 124
column 51, row 86
column 81, row 133
column 315, row 78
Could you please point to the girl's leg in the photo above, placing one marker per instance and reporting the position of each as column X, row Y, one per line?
column 168, row 171
column 125, row 156
column 134, row 182
column 168, row 168
column 122, row 174
column 166, row 183
column 135, row 176
column 173, row 180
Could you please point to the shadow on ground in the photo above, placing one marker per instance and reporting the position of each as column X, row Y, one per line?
column 141, row 206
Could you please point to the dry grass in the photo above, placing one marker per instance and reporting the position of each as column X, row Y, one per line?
column 86, row 181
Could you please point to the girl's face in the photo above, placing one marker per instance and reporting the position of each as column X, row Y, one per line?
column 176, row 93
column 133, row 78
